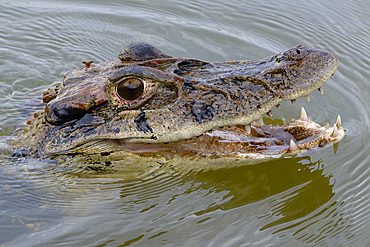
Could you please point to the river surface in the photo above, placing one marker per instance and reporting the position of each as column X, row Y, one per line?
column 317, row 199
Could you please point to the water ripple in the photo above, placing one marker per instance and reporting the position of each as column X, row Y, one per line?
column 319, row 200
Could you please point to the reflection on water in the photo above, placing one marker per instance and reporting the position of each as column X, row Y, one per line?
column 260, row 182
column 275, row 195
column 320, row 199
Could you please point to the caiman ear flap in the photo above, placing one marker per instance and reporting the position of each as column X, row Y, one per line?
column 140, row 52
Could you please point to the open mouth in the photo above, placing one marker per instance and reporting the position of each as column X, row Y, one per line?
column 256, row 140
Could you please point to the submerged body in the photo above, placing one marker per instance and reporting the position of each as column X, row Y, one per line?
column 150, row 103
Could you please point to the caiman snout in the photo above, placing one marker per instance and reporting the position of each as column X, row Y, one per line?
column 299, row 71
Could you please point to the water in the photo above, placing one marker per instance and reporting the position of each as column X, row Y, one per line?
column 321, row 199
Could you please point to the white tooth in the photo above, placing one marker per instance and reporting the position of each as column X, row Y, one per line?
column 260, row 121
column 335, row 131
column 247, row 128
column 308, row 98
column 339, row 122
column 278, row 106
column 293, row 146
column 284, row 122
column 303, row 114
column 321, row 91
column 327, row 126
column 293, row 101
column 269, row 113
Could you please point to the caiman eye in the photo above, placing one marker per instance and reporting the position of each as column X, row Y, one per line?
column 130, row 89
column 131, row 92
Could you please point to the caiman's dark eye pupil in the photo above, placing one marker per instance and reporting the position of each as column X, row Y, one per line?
column 130, row 89
column 298, row 52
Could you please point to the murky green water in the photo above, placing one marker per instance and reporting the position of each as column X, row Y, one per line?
column 317, row 200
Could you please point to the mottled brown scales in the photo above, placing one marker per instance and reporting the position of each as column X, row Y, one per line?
column 148, row 96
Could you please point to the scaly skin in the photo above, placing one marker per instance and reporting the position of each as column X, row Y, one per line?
column 183, row 100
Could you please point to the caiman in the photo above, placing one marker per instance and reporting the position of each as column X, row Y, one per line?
column 148, row 103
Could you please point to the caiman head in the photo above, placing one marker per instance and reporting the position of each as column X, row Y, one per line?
column 150, row 102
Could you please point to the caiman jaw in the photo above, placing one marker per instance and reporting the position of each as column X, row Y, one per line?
column 149, row 101
column 255, row 140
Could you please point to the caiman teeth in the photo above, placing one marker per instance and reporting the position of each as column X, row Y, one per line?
column 248, row 128
column 293, row 101
column 269, row 113
column 327, row 126
column 292, row 146
column 335, row 131
column 303, row 114
column 339, row 122
column 259, row 121
column 320, row 90
column 278, row 106
column 308, row 98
